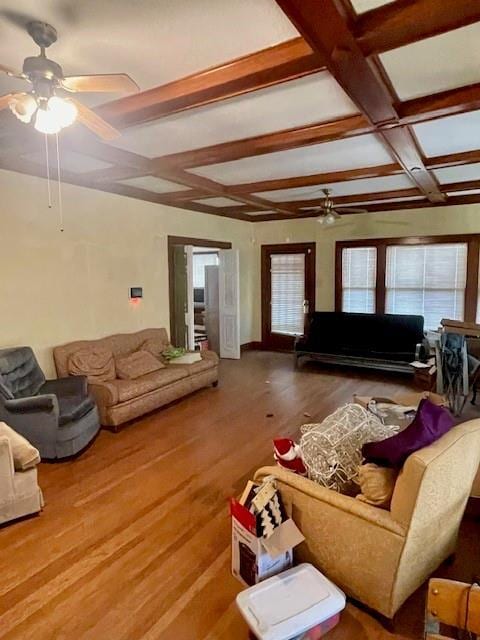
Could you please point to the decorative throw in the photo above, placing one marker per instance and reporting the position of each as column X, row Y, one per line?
column 25, row 455
column 289, row 455
column 376, row 484
column 430, row 423
column 331, row 450
column 96, row 363
column 137, row 364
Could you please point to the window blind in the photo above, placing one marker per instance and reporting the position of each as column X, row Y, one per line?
column 288, row 293
column 359, row 272
column 427, row 280
column 200, row 261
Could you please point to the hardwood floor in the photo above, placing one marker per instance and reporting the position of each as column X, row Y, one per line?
column 134, row 540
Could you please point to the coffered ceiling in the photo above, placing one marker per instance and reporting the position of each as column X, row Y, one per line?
column 249, row 108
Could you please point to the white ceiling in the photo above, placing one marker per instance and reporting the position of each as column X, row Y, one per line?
column 151, row 183
column 450, row 135
column 155, row 41
column 315, row 98
column 219, row 202
column 361, row 6
column 460, row 173
column 469, row 192
column 444, row 62
column 351, row 153
column 69, row 161
column 365, row 185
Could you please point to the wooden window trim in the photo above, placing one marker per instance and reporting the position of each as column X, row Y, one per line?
column 381, row 244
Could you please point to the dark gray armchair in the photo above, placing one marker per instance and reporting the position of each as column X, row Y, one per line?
column 58, row 417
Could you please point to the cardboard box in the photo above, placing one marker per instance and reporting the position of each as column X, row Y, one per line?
column 251, row 562
column 407, row 399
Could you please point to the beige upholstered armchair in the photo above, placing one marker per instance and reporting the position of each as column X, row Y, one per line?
column 20, row 494
column 380, row 557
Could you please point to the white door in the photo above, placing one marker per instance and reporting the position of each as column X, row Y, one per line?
column 229, row 303
column 212, row 308
column 190, row 310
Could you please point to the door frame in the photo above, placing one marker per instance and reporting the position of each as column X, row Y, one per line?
column 279, row 342
column 173, row 241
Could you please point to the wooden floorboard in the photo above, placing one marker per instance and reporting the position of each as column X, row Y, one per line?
column 134, row 540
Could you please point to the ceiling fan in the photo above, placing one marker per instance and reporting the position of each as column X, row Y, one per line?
column 328, row 213
column 49, row 111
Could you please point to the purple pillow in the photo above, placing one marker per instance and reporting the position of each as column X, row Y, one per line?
column 430, row 423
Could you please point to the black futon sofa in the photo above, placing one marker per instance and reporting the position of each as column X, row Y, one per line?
column 377, row 341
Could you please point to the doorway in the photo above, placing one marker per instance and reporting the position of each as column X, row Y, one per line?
column 204, row 295
column 288, row 292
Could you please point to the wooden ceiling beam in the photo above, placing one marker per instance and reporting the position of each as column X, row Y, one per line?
column 404, row 22
column 439, row 105
column 318, row 179
column 453, row 159
column 269, row 143
column 467, row 185
column 280, row 63
column 326, row 30
column 361, row 198
column 211, row 188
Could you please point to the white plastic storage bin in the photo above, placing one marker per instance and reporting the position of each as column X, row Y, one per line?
column 291, row 603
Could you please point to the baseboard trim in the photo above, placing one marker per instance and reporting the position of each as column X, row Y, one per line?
column 251, row 346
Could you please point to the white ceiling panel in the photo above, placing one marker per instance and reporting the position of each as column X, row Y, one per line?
column 440, row 63
column 461, row 173
column 470, row 192
column 154, row 41
column 261, row 213
column 351, row 153
column 151, row 183
column 346, row 188
column 69, row 161
column 361, row 6
column 315, row 98
column 219, row 202
column 450, row 135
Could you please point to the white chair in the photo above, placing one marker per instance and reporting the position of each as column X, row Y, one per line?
column 20, row 494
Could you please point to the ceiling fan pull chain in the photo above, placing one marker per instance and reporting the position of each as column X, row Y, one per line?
column 48, row 174
column 60, row 203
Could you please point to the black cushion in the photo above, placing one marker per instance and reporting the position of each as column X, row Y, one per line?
column 364, row 335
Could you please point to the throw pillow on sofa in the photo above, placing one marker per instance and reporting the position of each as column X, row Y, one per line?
column 25, row 455
column 94, row 362
column 430, row 423
column 156, row 347
column 376, row 484
column 137, row 364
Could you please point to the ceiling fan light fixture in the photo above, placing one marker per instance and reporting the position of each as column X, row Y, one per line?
column 329, row 218
column 46, row 122
column 64, row 111
column 23, row 106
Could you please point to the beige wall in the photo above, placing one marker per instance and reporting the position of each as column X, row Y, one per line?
column 419, row 222
column 56, row 287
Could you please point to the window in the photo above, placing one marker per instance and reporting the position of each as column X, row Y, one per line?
column 288, row 293
column 359, row 272
column 200, row 261
column 427, row 280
